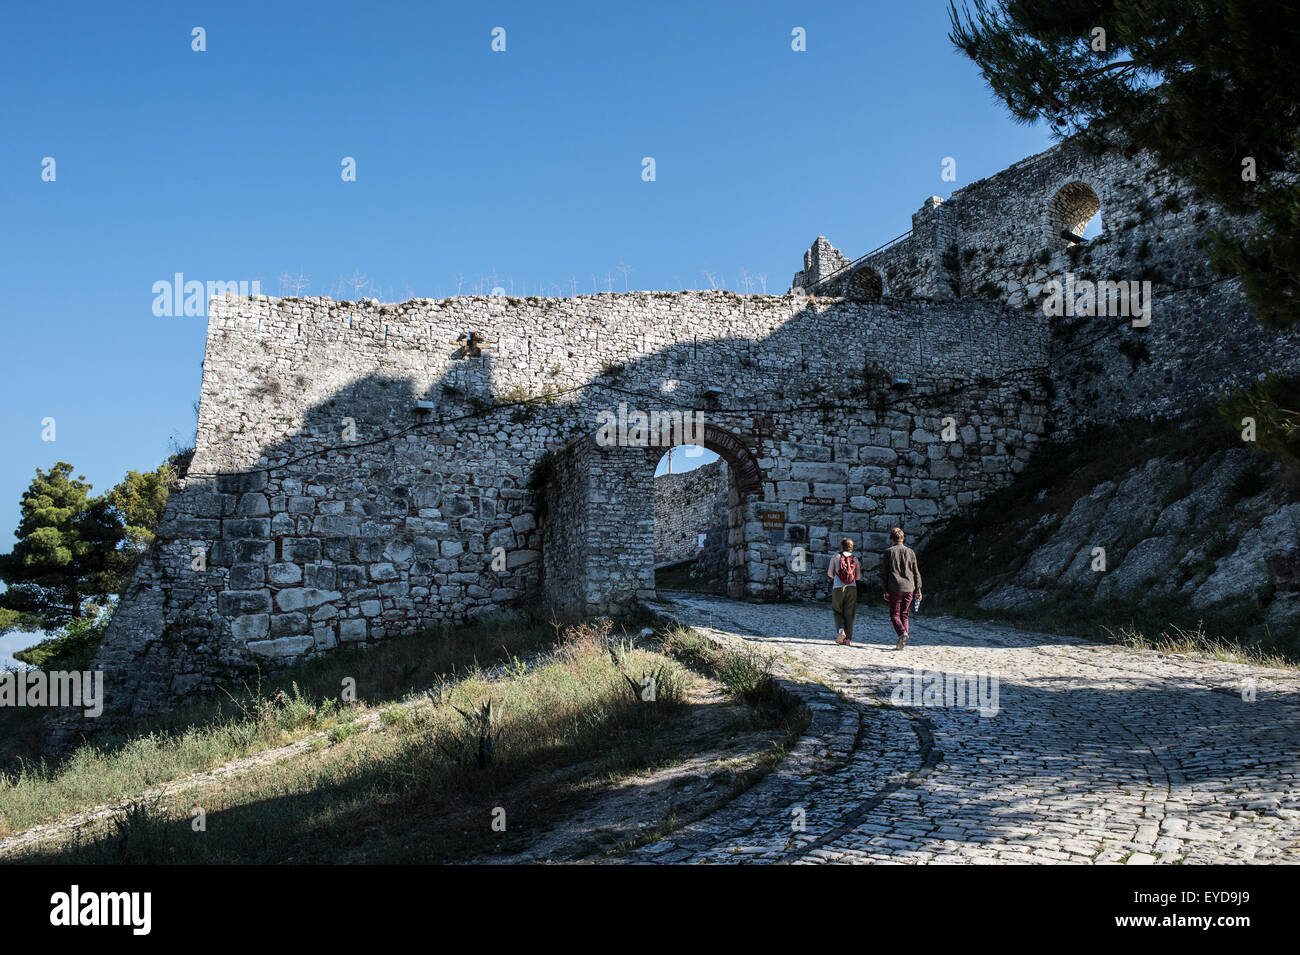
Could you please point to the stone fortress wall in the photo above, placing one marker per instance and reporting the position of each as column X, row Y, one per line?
column 363, row 469
column 1000, row 239
column 328, row 507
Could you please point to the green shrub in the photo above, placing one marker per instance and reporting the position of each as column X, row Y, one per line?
column 72, row 648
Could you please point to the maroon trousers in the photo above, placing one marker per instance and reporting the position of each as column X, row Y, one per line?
column 900, row 605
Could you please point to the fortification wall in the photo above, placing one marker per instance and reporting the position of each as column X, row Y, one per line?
column 324, row 507
column 1000, row 239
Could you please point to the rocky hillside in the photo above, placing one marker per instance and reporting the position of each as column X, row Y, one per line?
column 1196, row 527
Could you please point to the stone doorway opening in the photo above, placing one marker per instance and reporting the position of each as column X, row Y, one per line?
column 692, row 526
column 596, row 511
column 865, row 285
column 722, row 507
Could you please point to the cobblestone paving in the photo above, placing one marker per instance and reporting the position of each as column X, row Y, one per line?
column 1096, row 753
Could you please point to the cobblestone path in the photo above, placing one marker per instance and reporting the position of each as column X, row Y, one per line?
column 1096, row 753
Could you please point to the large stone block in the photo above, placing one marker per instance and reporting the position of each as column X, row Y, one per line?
column 368, row 550
column 241, row 528
column 299, row 598
column 792, row 490
column 239, row 483
column 337, row 525
column 352, row 630
column 281, row 647
column 284, row 575
column 226, row 552
column 319, row 576
column 873, row 454
column 247, row 576
column 201, row 528
column 288, row 624
column 399, row 551
column 827, row 472
column 234, row 603
column 301, row 550
column 457, row 505
column 520, row 558
column 250, row 627
column 253, row 505
column 351, row 576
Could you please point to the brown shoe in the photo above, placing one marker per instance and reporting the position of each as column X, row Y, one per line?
column 902, row 642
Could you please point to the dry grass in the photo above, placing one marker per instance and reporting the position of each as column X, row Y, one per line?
column 1197, row 642
column 421, row 779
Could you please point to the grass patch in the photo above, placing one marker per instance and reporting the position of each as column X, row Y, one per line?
column 1163, row 623
column 1197, row 640
column 746, row 673
column 424, row 780
column 265, row 712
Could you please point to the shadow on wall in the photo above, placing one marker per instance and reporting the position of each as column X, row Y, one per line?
column 370, row 517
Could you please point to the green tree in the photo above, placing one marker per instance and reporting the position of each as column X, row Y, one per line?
column 66, row 552
column 1211, row 89
column 73, row 647
column 1274, row 406
column 139, row 501
column 73, row 553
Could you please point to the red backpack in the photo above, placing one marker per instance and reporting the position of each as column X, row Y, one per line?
column 847, row 572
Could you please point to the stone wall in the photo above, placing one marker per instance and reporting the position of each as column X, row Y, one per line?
column 1000, row 239
column 687, row 505
column 364, row 469
column 361, row 469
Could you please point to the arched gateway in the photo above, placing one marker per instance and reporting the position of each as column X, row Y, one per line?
column 598, row 518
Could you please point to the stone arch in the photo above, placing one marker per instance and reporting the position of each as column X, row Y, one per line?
column 745, row 487
column 1070, row 209
column 597, row 517
column 864, row 284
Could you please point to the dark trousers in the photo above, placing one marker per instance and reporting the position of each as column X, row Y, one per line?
column 900, row 605
column 844, row 604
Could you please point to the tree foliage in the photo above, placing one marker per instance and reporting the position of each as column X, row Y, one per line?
column 73, row 647
column 66, row 550
column 1211, row 89
column 139, row 501
column 1273, row 405
column 73, row 547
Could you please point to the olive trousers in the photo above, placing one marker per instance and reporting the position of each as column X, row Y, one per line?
column 844, row 604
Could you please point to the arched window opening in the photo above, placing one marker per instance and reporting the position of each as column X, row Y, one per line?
column 1072, row 215
column 865, row 285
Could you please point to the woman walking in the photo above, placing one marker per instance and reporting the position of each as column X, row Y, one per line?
column 845, row 571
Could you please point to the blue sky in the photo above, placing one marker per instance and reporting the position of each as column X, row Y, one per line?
column 520, row 169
